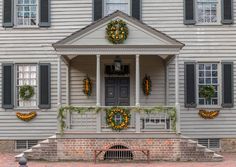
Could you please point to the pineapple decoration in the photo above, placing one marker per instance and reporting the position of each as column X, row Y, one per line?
column 117, row 31
column 87, row 86
column 147, row 85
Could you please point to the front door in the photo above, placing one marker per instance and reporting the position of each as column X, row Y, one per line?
column 117, row 91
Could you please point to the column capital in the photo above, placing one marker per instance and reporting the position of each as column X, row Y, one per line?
column 98, row 56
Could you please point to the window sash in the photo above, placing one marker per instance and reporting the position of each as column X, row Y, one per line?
column 26, row 74
column 117, row 5
column 218, row 84
column 206, row 5
column 26, row 21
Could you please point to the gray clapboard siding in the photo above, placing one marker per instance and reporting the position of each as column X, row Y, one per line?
column 202, row 43
column 154, row 67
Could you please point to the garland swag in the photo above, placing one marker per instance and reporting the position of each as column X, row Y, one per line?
column 171, row 111
column 208, row 114
column 147, row 85
column 26, row 116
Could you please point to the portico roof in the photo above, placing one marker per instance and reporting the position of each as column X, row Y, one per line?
column 142, row 39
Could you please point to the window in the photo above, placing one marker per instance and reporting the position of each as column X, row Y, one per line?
column 111, row 6
column 25, row 144
column 208, row 11
column 210, row 143
column 26, row 75
column 26, row 13
column 208, row 74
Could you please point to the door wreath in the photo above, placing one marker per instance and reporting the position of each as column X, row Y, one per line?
column 118, row 118
column 26, row 92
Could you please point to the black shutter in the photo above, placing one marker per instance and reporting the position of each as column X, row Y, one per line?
column 189, row 12
column 190, row 85
column 44, row 86
column 227, row 84
column 8, row 13
column 8, row 86
column 227, row 12
column 136, row 9
column 44, row 16
column 97, row 9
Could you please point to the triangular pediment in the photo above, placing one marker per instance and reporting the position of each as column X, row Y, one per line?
column 139, row 34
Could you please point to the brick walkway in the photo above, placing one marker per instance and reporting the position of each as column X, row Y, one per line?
column 7, row 160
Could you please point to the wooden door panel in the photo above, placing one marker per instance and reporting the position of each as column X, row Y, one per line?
column 117, row 91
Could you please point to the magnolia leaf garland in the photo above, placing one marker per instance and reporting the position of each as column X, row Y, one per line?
column 147, row 85
column 171, row 112
column 87, row 86
column 26, row 116
column 117, row 31
column 26, row 92
column 208, row 114
column 113, row 123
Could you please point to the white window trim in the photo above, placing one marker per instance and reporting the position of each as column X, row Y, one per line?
column 218, row 14
column 219, row 86
column 26, row 26
column 104, row 7
column 37, row 87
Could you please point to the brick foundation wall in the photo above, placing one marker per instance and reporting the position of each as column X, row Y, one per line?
column 82, row 149
column 160, row 149
column 228, row 145
column 7, row 146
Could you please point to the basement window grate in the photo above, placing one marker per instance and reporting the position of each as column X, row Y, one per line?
column 210, row 143
column 25, row 144
column 118, row 155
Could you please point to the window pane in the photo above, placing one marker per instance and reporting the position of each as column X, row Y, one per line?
column 113, row 5
column 26, row 75
column 207, row 11
column 208, row 75
column 26, row 12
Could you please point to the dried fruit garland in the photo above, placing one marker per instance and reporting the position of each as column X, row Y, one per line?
column 147, row 85
column 26, row 92
column 124, row 115
column 208, row 114
column 117, row 31
column 26, row 116
column 87, row 86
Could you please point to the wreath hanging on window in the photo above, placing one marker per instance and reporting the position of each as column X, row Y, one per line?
column 118, row 118
column 117, row 31
column 207, row 91
column 87, row 86
column 26, row 92
column 26, row 116
column 147, row 85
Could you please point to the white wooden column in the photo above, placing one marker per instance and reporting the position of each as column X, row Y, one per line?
column 98, row 93
column 58, row 88
column 137, row 94
column 98, row 81
column 68, row 115
column 137, row 80
column 177, row 105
